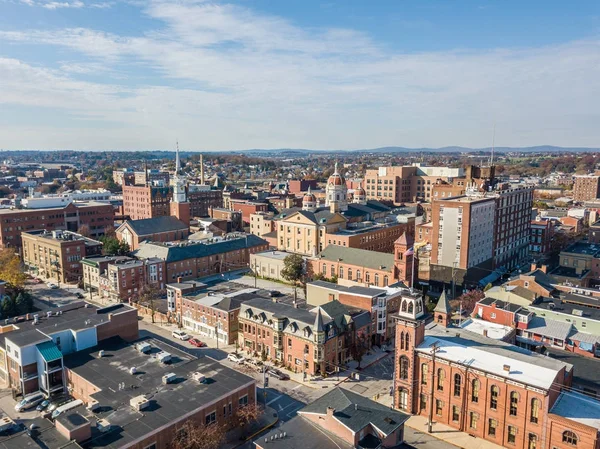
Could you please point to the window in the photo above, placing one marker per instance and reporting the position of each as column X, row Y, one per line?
column 514, row 401
column 475, row 390
column 455, row 413
column 441, row 375
column 151, row 446
column 492, row 423
column 569, row 438
column 457, row 381
column 439, row 405
column 473, row 417
column 424, row 373
column 532, row 441
column 512, row 434
column 350, row 273
column 423, row 402
column 535, row 410
column 243, row 401
column 494, row 391
column 404, row 365
column 403, row 396
column 210, row 418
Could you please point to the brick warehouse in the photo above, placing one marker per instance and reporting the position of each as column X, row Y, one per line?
column 487, row 388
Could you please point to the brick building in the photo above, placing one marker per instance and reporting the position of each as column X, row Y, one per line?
column 540, row 237
column 300, row 186
column 95, row 216
column 487, row 388
column 124, row 279
column 193, row 260
column 247, row 208
column 146, row 201
column 586, row 188
column 158, row 229
column 31, row 357
column 231, row 216
column 202, row 199
column 55, row 255
column 311, row 341
column 263, row 223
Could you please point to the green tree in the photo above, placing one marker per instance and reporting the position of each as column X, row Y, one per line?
column 293, row 270
column 9, row 307
column 113, row 247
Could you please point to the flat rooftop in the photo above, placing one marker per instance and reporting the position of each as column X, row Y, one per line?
column 78, row 315
column 492, row 356
column 583, row 248
column 578, row 407
column 465, row 199
column 46, row 436
column 481, row 327
column 168, row 403
column 276, row 255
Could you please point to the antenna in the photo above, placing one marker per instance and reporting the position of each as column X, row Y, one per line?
column 493, row 144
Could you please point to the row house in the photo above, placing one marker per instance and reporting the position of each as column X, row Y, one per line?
column 315, row 341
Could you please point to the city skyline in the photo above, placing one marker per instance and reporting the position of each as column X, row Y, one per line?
column 96, row 75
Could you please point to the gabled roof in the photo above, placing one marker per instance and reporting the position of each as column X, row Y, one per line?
column 148, row 226
column 549, row 328
column 359, row 257
column 443, row 306
column 356, row 411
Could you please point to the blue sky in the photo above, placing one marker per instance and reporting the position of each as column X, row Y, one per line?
column 139, row 74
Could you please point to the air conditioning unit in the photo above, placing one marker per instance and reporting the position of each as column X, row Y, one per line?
column 199, row 377
column 139, row 403
column 169, row 378
column 144, row 348
column 163, row 357
column 103, row 425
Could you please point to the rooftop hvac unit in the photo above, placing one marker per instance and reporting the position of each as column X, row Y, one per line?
column 169, row 378
column 101, row 353
column 139, row 403
column 163, row 357
column 6, row 423
column 103, row 425
column 199, row 377
column 132, row 370
column 144, row 348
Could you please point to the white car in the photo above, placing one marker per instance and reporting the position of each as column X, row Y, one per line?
column 180, row 335
column 52, row 285
column 235, row 358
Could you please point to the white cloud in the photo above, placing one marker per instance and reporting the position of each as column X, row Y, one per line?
column 254, row 80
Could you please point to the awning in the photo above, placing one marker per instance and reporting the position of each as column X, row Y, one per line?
column 49, row 351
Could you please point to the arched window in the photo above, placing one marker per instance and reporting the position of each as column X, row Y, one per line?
column 475, row 390
column 569, row 437
column 535, row 410
column 532, row 441
column 358, row 275
column 514, row 402
column 419, row 306
column 385, row 281
column 441, row 376
column 367, row 277
column 332, row 271
column 457, row 384
column 424, row 373
column 341, row 275
column 403, row 399
column 406, row 341
column 402, row 341
column 494, row 392
column 350, row 273
column 324, row 269
column 376, row 278
column 403, row 307
column 404, row 364
column 410, row 307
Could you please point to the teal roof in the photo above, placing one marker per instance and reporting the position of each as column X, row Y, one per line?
column 49, row 351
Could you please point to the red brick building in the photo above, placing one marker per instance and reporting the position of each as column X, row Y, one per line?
column 540, row 238
column 586, row 188
column 158, row 229
column 146, row 201
column 248, row 208
column 95, row 216
column 299, row 186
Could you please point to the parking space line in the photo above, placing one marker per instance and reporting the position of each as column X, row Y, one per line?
column 275, row 399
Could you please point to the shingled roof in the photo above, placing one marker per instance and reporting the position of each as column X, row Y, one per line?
column 156, row 225
column 359, row 257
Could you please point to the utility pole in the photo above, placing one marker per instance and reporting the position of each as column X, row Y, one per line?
column 434, row 349
column 265, row 383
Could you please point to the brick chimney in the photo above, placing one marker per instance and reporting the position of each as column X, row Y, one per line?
column 330, row 411
column 544, row 268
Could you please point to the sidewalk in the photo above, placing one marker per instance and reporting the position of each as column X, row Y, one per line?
column 449, row 434
column 268, row 419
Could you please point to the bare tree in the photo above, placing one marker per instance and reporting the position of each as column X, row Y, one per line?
column 194, row 436
column 247, row 415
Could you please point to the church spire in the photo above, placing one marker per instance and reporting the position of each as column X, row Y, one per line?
column 177, row 162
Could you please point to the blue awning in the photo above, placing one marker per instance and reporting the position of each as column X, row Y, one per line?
column 49, row 351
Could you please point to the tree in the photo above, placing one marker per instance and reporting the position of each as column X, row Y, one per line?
column 194, row 436
column 293, row 269
column 84, row 230
column 11, row 269
column 147, row 297
column 247, row 415
column 466, row 302
column 9, row 307
column 113, row 247
column 263, row 355
column 358, row 349
column 109, row 231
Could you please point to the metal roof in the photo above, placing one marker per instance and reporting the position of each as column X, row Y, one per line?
column 359, row 257
column 49, row 351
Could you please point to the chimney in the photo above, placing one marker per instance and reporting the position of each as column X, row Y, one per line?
column 330, row 411
column 485, row 332
column 506, row 368
column 274, row 299
column 533, row 266
column 544, row 268
column 179, row 279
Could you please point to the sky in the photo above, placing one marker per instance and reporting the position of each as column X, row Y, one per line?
column 348, row 74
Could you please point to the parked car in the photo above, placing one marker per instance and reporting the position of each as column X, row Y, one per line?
column 278, row 374
column 79, row 295
column 180, row 335
column 274, row 293
column 29, row 401
column 52, row 285
column 42, row 405
column 57, row 402
column 235, row 358
column 254, row 363
column 197, row 343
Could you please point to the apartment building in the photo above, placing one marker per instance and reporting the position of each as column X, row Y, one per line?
column 192, row 260
column 579, row 265
column 303, row 185
column 312, row 341
column 94, row 267
column 95, row 216
column 56, row 255
column 586, row 188
column 32, row 348
column 146, row 201
column 233, row 218
column 540, row 237
column 202, row 198
column 247, row 208
column 124, row 279
column 487, row 388
column 262, row 223
column 406, row 184
column 157, row 229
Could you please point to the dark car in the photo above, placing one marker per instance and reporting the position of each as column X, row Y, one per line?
column 42, row 405
column 79, row 295
column 278, row 374
column 197, row 343
column 274, row 293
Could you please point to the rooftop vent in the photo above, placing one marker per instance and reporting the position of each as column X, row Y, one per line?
column 169, row 378
column 139, row 403
column 199, row 377
column 506, row 368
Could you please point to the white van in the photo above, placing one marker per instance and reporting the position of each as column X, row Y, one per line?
column 66, row 407
column 29, row 401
